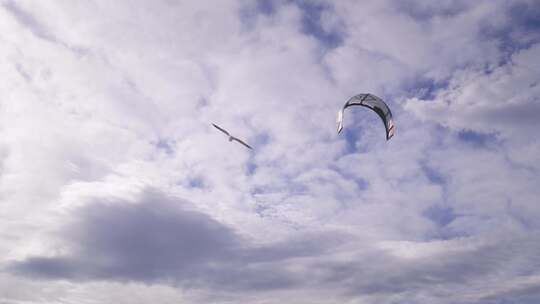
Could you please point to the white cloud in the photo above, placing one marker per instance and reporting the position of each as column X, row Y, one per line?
column 502, row 100
column 104, row 100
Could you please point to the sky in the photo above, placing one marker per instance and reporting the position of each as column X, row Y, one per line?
column 115, row 187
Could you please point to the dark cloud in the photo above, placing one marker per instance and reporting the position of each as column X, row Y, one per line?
column 146, row 241
column 158, row 240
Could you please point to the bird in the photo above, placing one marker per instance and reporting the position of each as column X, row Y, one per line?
column 231, row 138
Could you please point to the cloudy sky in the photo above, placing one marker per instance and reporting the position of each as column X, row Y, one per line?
column 115, row 188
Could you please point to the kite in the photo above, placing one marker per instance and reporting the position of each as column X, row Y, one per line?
column 374, row 103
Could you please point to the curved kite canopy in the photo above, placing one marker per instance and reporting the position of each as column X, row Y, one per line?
column 376, row 104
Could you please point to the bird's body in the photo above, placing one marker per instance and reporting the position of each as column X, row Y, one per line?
column 231, row 138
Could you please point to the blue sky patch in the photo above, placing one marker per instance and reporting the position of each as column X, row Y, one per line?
column 251, row 167
column 425, row 10
column 424, row 88
column 165, row 145
column 476, row 139
column 266, row 7
column 352, row 136
column 440, row 215
column 196, row 182
column 521, row 32
column 432, row 175
column 311, row 24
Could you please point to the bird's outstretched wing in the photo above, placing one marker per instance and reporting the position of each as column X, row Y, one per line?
column 243, row 143
column 221, row 129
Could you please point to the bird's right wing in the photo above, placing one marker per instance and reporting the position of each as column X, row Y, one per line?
column 221, row 129
column 243, row 143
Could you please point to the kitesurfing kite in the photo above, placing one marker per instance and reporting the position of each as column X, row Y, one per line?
column 376, row 104
column 231, row 138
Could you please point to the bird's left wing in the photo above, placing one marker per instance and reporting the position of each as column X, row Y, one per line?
column 221, row 129
column 243, row 143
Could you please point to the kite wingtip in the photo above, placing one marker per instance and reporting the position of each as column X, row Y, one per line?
column 340, row 121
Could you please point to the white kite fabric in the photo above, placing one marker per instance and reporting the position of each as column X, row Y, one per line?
column 374, row 103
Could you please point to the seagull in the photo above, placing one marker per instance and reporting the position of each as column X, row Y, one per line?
column 231, row 138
